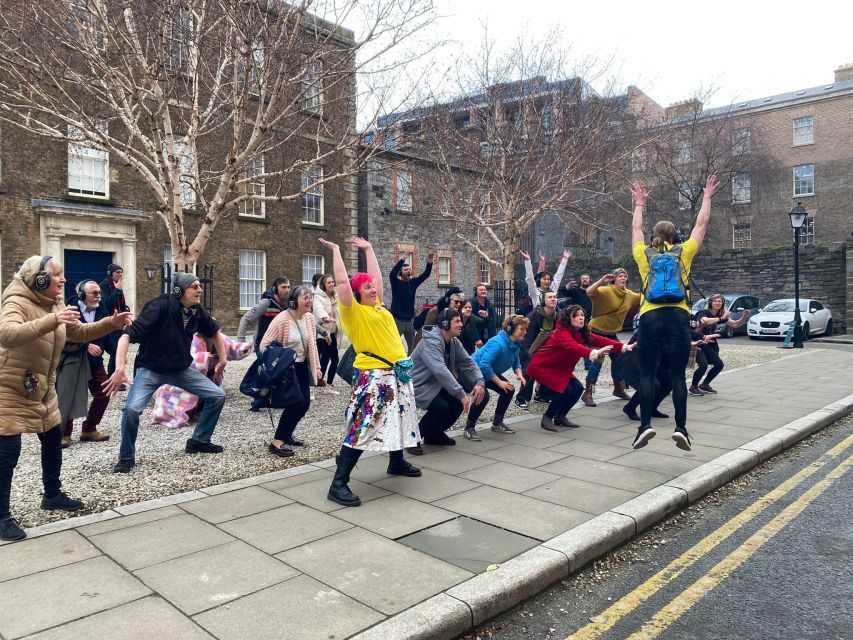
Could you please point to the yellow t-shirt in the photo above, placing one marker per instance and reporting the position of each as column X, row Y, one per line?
column 610, row 305
column 689, row 250
column 372, row 329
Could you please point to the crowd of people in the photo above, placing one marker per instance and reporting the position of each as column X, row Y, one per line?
column 53, row 355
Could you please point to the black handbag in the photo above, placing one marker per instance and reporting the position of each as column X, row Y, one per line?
column 271, row 379
column 346, row 370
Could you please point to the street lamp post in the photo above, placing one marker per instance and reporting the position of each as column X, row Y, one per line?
column 798, row 218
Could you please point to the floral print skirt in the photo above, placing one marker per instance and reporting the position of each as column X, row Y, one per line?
column 381, row 415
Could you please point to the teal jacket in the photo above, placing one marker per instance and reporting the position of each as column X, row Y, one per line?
column 497, row 355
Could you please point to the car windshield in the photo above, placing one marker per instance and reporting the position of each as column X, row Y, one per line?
column 786, row 305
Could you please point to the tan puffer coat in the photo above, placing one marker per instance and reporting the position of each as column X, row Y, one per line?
column 31, row 340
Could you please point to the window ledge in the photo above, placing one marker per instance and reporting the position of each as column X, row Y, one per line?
column 737, row 202
column 802, row 144
column 314, row 114
column 803, row 195
column 73, row 197
column 316, row 227
column 255, row 219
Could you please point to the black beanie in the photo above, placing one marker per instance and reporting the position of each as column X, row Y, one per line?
column 112, row 268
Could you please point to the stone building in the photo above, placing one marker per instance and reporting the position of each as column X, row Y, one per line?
column 88, row 210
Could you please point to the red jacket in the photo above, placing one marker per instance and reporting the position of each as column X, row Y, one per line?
column 554, row 363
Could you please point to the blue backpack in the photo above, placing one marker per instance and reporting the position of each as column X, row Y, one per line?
column 665, row 284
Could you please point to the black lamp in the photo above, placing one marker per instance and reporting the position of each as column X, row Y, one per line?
column 798, row 219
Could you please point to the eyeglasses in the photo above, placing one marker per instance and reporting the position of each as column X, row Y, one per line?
column 452, row 301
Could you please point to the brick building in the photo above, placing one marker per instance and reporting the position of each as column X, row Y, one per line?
column 73, row 201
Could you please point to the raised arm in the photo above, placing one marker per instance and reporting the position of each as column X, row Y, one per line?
column 541, row 266
column 340, row 271
column 561, row 270
column 701, row 226
column 640, row 195
column 607, row 277
column 427, row 270
column 372, row 264
column 528, row 273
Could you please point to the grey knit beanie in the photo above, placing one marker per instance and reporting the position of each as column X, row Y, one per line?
column 183, row 281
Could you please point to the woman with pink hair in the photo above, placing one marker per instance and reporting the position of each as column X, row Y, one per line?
column 381, row 415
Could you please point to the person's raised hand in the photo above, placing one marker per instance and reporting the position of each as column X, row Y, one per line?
column 525, row 255
column 121, row 320
column 361, row 243
column 712, row 185
column 567, row 254
column 331, row 246
column 430, row 257
column 639, row 194
column 68, row 315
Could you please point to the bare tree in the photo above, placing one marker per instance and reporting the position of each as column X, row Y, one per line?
column 199, row 98
column 528, row 136
column 693, row 143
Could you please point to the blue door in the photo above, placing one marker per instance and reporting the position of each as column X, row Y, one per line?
column 84, row 265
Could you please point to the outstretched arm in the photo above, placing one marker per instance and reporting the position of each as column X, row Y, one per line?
column 372, row 264
column 340, row 271
column 541, row 266
column 528, row 274
column 427, row 270
column 640, row 195
column 561, row 270
column 711, row 187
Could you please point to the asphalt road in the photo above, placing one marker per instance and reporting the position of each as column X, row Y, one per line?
column 768, row 556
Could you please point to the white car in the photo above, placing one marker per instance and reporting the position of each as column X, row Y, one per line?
column 773, row 320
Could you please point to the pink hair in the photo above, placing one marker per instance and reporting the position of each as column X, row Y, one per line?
column 359, row 280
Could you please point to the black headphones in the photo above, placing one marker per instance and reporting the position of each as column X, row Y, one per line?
column 446, row 317
column 538, row 277
column 355, row 294
column 293, row 296
column 81, row 289
column 508, row 326
column 177, row 291
column 42, row 279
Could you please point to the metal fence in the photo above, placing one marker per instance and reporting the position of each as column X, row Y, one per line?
column 205, row 278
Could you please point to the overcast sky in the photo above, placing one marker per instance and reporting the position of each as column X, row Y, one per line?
column 746, row 49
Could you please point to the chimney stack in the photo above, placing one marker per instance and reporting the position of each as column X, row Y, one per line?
column 683, row 108
column 844, row 72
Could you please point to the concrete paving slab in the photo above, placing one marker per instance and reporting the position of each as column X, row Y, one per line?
column 541, row 439
column 63, row 594
column 66, row 524
column 608, row 474
column 382, row 574
column 439, row 617
column 302, row 478
column 124, row 522
column 581, row 495
column 492, row 592
column 40, row 554
column 235, row 504
column 469, row 544
column 590, row 450
column 652, row 506
column 661, row 460
column 510, row 477
column 212, row 577
column 374, row 468
column 265, row 478
column 284, row 528
column 593, row 538
column 299, row 609
column 488, row 441
column 153, row 542
column 432, row 485
column 452, row 462
column 158, row 503
column 604, row 436
column 395, row 516
column 313, row 494
column 524, row 515
column 523, row 456
column 160, row 621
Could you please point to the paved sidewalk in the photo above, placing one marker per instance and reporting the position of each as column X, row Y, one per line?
column 487, row 525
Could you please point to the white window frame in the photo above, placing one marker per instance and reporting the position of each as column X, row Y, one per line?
column 484, row 267
column 807, row 231
column 639, row 159
column 312, row 86
column 251, row 208
column 684, row 152
column 444, row 276
column 309, row 266
column 252, row 273
column 404, row 190
column 741, row 235
column 683, row 201
column 741, row 188
column 803, row 131
column 179, row 51
column 741, row 140
column 312, row 202
column 86, row 164
column 83, row 19
column 801, row 183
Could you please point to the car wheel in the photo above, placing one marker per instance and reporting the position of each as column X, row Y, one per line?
column 805, row 331
column 828, row 331
column 730, row 332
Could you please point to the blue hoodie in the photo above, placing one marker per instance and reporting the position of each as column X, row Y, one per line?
column 497, row 355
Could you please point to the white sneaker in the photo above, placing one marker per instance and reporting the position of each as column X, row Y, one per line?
column 331, row 390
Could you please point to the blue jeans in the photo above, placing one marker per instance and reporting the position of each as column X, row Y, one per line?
column 146, row 383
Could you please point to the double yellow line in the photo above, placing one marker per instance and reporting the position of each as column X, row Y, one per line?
column 683, row 602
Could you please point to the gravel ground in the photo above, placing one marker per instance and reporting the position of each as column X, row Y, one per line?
column 164, row 469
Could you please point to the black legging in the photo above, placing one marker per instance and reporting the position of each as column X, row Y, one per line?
column 329, row 356
column 291, row 416
column 441, row 414
column 705, row 355
column 664, row 331
column 562, row 403
column 51, row 465
column 504, row 398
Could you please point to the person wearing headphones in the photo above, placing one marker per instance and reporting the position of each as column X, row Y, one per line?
column 381, row 415
column 272, row 303
column 485, row 310
column 443, row 375
column 113, row 301
column 81, row 365
column 295, row 328
column 539, row 283
column 496, row 356
column 164, row 331
column 34, row 324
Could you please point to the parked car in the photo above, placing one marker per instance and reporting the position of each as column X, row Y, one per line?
column 773, row 320
column 735, row 303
